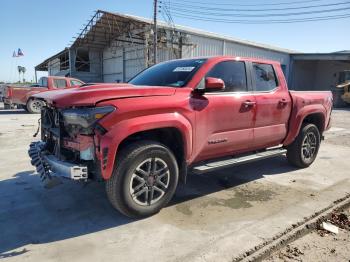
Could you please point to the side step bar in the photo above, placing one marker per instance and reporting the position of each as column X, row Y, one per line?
column 212, row 166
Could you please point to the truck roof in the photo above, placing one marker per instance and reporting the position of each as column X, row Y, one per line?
column 238, row 58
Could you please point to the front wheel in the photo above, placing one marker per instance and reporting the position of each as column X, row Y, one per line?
column 144, row 181
column 34, row 106
column 303, row 151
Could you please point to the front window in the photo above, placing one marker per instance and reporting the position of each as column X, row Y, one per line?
column 176, row 73
column 233, row 73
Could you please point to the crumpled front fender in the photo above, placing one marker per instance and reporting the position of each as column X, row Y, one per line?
column 110, row 142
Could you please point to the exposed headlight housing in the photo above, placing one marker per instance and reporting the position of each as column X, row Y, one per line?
column 85, row 117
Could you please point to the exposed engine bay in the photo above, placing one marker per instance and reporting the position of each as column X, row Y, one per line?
column 67, row 146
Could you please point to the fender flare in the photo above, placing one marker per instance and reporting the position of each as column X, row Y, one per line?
column 298, row 119
column 120, row 131
column 29, row 96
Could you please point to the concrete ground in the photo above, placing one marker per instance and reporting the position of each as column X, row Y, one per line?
column 215, row 217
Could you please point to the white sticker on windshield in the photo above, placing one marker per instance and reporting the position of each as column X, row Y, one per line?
column 184, row 69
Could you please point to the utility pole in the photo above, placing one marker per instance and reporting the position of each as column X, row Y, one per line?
column 155, row 36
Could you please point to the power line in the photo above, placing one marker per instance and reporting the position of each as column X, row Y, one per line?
column 196, row 7
column 265, row 4
column 309, row 19
column 196, row 13
column 186, row 11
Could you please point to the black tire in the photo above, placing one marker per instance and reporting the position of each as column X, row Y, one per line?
column 7, row 106
column 34, row 106
column 300, row 156
column 24, row 107
column 120, row 185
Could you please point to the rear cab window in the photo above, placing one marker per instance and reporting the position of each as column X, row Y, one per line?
column 264, row 77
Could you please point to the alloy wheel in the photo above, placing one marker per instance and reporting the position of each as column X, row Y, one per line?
column 309, row 146
column 149, row 181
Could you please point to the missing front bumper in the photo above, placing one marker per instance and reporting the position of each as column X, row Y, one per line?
column 49, row 166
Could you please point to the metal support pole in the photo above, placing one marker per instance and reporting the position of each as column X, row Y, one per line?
column 155, row 37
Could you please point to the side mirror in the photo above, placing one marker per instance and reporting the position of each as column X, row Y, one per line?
column 214, row 84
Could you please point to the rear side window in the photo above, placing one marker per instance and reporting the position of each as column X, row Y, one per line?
column 59, row 83
column 265, row 77
column 233, row 73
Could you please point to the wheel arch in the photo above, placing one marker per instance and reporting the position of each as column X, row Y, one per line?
column 318, row 119
column 168, row 136
column 29, row 96
column 313, row 114
column 172, row 130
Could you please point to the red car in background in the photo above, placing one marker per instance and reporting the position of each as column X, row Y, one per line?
column 20, row 96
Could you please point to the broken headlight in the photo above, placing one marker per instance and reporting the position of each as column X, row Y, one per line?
column 85, row 117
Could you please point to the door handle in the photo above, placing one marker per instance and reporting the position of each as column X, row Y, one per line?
column 282, row 103
column 248, row 104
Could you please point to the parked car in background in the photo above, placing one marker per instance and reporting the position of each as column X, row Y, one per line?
column 195, row 115
column 20, row 96
column 2, row 92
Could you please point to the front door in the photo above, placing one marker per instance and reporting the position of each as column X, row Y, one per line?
column 225, row 119
column 273, row 105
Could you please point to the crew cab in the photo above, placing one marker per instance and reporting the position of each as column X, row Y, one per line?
column 20, row 96
column 191, row 115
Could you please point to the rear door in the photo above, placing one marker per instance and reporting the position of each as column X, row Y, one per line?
column 225, row 119
column 273, row 104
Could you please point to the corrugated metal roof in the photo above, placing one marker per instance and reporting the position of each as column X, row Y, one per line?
column 190, row 30
column 43, row 66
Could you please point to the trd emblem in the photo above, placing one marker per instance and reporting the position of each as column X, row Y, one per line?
column 217, row 141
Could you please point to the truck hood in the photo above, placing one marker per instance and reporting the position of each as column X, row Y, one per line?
column 92, row 94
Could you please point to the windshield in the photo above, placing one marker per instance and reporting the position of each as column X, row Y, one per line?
column 174, row 73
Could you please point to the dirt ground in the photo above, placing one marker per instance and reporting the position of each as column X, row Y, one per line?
column 319, row 245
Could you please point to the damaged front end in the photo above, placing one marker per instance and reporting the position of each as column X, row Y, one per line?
column 68, row 143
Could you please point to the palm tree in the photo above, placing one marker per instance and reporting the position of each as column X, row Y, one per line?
column 21, row 69
column 23, row 72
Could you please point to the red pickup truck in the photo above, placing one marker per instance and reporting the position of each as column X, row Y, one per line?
column 21, row 95
column 196, row 115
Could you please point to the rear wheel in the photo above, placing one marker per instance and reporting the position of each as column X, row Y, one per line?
column 34, row 106
column 303, row 151
column 144, row 180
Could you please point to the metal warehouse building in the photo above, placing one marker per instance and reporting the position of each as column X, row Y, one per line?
column 114, row 47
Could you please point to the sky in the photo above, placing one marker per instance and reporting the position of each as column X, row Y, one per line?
column 42, row 28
